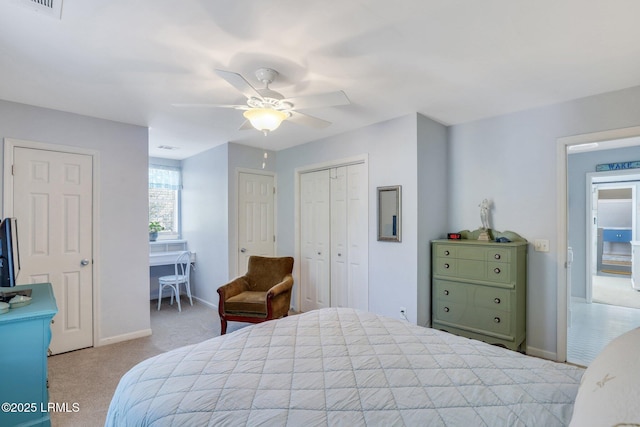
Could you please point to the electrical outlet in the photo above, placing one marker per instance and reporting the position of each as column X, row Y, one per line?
column 541, row 245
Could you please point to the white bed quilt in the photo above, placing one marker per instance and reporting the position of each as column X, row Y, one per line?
column 344, row 367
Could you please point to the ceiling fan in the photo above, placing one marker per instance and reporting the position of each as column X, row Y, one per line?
column 266, row 109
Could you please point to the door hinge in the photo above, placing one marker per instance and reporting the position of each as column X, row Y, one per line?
column 274, row 238
column 13, row 168
column 274, row 190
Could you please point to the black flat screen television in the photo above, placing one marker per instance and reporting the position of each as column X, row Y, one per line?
column 9, row 254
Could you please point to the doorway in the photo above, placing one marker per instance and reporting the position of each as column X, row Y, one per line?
column 611, row 210
column 49, row 189
column 575, row 297
column 256, row 213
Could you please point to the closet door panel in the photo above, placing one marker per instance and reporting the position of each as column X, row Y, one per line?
column 339, row 247
column 357, row 236
column 315, row 240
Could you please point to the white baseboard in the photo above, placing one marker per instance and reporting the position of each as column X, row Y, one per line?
column 207, row 303
column 543, row 354
column 124, row 337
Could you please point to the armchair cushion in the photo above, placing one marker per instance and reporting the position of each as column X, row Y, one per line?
column 254, row 302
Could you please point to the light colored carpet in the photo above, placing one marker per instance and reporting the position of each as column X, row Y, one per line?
column 89, row 377
column 615, row 291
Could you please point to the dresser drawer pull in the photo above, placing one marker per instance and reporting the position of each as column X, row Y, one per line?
column 496, row 270
column 497, row 300
column 446, row 309
column 446, row 266
column 496, row 319
column 446, row 292
column 446, row 253
column 497, row 256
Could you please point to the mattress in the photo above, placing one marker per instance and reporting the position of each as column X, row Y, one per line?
column 341, row 366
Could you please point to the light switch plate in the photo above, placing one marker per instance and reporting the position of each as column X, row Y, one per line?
column 541, row 245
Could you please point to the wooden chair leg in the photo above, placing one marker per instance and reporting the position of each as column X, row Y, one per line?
column 223, row 326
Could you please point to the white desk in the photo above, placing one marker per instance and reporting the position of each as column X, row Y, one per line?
column 166, row 258
column 165, row 252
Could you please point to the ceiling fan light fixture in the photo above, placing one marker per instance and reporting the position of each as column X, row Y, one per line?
column 265, row 119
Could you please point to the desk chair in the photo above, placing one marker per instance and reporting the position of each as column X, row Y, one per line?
column 262, row 294
column 180, row 277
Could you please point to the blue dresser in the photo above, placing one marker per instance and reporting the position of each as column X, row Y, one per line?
column 24, row 340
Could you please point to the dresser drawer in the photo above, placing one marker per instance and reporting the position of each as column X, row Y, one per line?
column 492, row 298
column 451, row 312
column 499, row 272
column 450, row 291
column 473, row 306
column 492, row 321
column 612, row 235
column 498, row 254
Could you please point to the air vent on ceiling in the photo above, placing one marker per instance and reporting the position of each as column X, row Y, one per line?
column 167, row 147
column 51, row 8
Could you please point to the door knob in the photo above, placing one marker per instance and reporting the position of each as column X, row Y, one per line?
column 84, row 262
column 243, row 250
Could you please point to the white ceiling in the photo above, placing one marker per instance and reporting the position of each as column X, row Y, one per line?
column 451, row 60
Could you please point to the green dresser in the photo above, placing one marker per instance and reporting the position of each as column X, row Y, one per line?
column 479, row 290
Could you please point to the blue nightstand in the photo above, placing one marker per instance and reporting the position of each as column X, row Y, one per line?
column 24, row 340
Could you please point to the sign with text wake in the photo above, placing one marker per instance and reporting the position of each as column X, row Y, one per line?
column 618, row 166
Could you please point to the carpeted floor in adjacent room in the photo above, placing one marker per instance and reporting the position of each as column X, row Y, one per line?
column 89, row 377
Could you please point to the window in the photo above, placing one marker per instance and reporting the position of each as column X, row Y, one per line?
column 164, row 199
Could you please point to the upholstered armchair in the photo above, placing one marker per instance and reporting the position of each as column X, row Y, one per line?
column 263, row 293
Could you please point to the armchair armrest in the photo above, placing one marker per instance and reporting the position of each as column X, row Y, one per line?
column 281, row 287
column 233, row 288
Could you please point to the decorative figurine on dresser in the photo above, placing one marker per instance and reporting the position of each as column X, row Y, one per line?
column 479, row 287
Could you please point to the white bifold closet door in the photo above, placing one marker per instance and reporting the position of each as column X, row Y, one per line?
column 333, row 238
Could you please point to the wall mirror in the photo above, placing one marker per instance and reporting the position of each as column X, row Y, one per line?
column 389, row 213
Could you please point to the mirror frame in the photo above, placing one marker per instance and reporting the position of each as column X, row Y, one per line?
column 384, row 236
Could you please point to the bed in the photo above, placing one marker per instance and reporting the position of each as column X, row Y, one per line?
column 346, row 367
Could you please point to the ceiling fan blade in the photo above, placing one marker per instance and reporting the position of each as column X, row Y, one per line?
column 246, row 125
column 237, row 107
column 306, row 120
column 330, row 99
column 240, row 83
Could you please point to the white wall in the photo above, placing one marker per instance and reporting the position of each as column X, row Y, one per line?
column 511, row 159
column 122, row 261
column 392, row 150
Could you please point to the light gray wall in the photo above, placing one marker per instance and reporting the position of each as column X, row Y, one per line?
column 123, row 301
column 578, row 166
column 205, row 219
column 209, row 205
column 392, row 149
column 433, row 191
column 511, row 159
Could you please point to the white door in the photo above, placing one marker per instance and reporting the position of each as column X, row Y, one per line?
column 52, row 201
column 358, row 236
column 339, row 241
column 349, row 238
column 334, row 238
column 314, row 241
column 256, row 234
